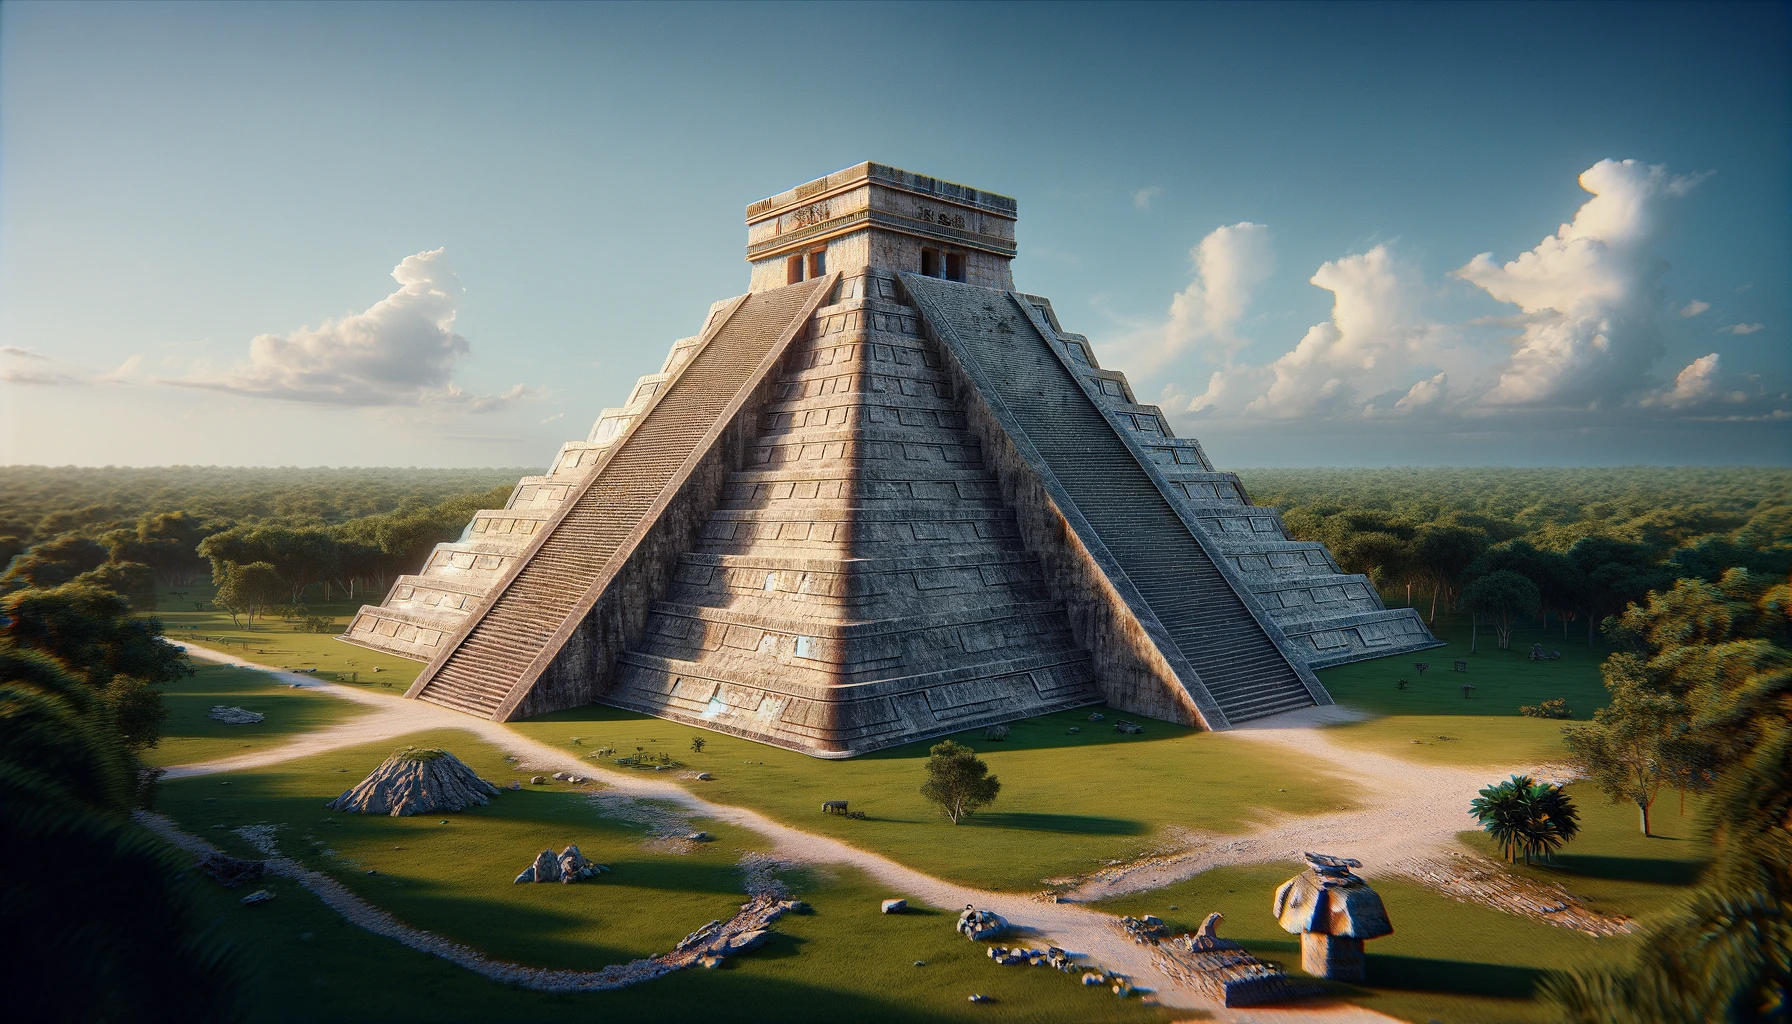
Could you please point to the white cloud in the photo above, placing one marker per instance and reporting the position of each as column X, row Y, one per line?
column 1376, row 334
column 1694, row 308
column 1426, row 394
column 1589, row 292
column 23, row 366
column 1743, row 328
column 1229, row 264
column 400, row 352
column 1694, row 385
column 1141, row 198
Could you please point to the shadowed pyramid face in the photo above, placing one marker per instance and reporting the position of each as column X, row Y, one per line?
column 881, row 497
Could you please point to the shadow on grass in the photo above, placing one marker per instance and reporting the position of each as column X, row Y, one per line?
column 1416, row 974
column 1069, row 824
column 1045, row 732
column 1630, row 869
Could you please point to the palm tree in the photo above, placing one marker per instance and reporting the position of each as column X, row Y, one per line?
column 1526, row 816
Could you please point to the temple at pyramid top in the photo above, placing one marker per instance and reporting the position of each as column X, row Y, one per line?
column 880, row 497
column 877, row 216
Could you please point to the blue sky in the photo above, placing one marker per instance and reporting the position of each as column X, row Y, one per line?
column 1270, row 216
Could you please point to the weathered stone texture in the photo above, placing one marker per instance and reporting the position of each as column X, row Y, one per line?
column 876, row 539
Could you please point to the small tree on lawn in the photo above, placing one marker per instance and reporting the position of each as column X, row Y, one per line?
column 1631, row 747
column 958, row 780
column 1501, row 597
column 1526, row 816
column 247, row 590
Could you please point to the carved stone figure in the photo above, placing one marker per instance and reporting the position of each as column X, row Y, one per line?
column 1334, row 912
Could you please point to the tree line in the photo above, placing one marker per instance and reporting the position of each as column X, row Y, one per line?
column 256, row 563
column 1561, row 546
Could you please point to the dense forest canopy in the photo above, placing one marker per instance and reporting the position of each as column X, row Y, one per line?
column 42, row 502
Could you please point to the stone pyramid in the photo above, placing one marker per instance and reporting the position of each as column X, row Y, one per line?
column 880, row 497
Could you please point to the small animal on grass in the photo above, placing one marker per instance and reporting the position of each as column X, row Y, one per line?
column 833, row 807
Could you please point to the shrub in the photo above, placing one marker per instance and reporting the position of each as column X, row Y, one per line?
column 1557, row 708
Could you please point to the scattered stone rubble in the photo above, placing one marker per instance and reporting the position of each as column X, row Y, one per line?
column 1146, row 931
column 569, row 867
column 1050, row 956
column 231, row 872
column 981, row 925
column 234, row 716
column 1223, row 971
column 1218, row 968
column 414, row 781
column 1129, row 728
column 1470, row 878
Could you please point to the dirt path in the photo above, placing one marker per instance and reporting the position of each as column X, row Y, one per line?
column 1407, row 814
column 1075, row 928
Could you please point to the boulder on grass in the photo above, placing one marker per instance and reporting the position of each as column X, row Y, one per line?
column 417, row 780
column 979, row 925
column 233, row 716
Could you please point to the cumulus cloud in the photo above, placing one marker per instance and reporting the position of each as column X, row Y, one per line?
column 1376, row 334
column 1588, row 292
column 1584, row 335
column 1229, row 264
column 1141, row 198
column 400, row 352
column 1426, row 394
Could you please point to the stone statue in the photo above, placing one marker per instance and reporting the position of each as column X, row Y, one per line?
column 1333, row 912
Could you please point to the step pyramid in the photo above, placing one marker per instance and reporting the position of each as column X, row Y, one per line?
column 880, row 497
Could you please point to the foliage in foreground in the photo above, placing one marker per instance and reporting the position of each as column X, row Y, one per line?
column 1718, row 655
column 79, row 697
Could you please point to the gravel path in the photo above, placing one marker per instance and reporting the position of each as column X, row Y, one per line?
column 1078, row 929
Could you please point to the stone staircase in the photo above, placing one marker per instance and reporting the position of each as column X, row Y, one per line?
column 508, row 643
column 1241, row 666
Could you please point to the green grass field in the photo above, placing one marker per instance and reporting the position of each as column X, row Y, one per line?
column 1456, row 962
column 1069, row 803
column 189, row 736
column 282, row 644
column 844, row 960
column 1430, row 720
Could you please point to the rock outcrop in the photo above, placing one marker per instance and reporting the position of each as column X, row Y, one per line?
column 570, row 866
column 417, row 780
column 234, row 716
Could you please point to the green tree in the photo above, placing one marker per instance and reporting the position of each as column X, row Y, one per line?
column 92, row 631
column 1627, row 749
column 247, row 590
column 1728, row 955
column 54, row 563
column 132, row 580
column 958, row 780
column 1501, row 597
column 67, row 783
column 1526, row 816
column 1440, row 554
